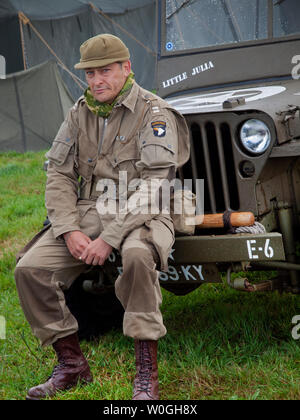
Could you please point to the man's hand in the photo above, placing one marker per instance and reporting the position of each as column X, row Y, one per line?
column 96, row 252
column 76, row 242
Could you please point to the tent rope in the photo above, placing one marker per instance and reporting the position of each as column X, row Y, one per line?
column 22, row 42
column 96, row 9
column 26, row 21
column 78, row 78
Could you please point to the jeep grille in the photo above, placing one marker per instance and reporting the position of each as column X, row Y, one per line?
column 212, row 160
column 218, row 157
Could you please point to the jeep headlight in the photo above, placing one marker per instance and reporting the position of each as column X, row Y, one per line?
column 255, row 136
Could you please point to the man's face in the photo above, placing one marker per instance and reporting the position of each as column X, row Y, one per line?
column 106, row 82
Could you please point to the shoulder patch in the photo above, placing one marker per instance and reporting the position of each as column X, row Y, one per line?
column 159, row 128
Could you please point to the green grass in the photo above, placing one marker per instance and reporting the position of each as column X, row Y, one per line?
column 221, row 344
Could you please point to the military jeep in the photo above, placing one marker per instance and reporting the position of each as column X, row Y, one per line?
column 231, row 68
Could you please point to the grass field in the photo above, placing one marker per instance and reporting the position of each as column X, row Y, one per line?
column 221, row 344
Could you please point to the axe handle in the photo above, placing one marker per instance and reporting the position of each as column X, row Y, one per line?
column 216, row 220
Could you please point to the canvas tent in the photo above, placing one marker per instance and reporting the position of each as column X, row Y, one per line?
column 32, row 32
column 31, row 110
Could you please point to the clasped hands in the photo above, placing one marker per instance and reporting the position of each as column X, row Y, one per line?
column 92, row 252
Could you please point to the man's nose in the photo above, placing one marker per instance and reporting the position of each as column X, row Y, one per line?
column 98, row 80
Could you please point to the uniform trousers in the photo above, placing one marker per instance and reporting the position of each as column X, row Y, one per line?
column 48, row 268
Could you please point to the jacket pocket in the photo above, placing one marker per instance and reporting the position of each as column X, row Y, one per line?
column 61, row 146
column 124, row 155
column 86, row 167
column 155, row 154
column 86, row 156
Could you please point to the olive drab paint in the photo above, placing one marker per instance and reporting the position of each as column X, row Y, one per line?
column 219, row 80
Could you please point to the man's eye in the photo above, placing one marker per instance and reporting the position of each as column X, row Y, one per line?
column 89, row 73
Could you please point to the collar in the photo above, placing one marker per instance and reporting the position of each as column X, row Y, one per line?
column 131, row 98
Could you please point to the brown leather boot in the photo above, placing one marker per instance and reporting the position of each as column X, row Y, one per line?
column 72, row 367
column 146, row 378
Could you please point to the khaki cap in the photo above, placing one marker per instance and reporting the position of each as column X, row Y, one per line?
column 102, row 50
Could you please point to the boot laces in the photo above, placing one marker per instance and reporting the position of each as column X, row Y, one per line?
column 145, row 371
column 57, row 368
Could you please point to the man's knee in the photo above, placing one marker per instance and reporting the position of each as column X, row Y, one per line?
column 31, row 278
column 136, row 260
column 18, row 274
column 22, row 276
column 25, row 262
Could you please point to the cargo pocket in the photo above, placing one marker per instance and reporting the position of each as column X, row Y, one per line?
column 124, row 155
column 158, row 143
column 161, row 236
column 87, row 155
column 183, row 211
column 86, row 167
column 61, row 146
column 156, row 154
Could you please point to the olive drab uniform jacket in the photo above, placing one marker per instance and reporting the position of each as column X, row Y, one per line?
column 143, row 138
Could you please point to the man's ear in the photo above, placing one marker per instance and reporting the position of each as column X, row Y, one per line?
column 127, row 67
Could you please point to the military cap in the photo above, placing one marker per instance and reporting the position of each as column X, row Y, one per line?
column 102, row 50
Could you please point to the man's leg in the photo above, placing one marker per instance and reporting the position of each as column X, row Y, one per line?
column 42, row 275
column 138, row 289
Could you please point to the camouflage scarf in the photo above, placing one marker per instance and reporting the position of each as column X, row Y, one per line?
column 101, row 108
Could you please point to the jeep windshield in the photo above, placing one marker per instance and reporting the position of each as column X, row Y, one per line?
column 194, row 24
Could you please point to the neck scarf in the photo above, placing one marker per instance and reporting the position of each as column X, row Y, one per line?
column 103, row 109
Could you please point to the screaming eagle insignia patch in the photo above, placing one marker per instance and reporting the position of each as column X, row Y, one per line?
column 159, row 128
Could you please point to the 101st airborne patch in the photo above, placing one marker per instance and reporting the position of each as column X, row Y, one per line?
column 159, row 128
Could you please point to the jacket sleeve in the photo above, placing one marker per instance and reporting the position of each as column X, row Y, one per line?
column 158, row 162
column 62, row 179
